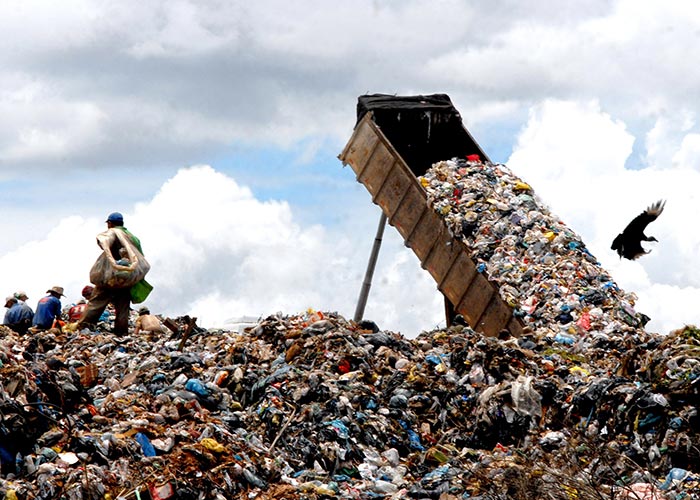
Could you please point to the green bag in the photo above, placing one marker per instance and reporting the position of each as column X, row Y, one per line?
column 140, row 291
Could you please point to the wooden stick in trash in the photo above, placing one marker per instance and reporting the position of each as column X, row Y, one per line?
column 279, row 434
column 187, row 333
column 172, row 326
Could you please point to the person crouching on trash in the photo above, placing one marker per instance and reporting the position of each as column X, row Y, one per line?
column 147, row 322
column 18, row 316
column 76, row 312
column 48, row 310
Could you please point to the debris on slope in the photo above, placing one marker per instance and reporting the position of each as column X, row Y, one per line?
column 312, row 406
column 543, row 268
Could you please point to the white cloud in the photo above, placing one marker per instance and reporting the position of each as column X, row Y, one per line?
column 31, row 27
column 688, row 154
column 170, row 80
column 183, row 29
column 665, row 138
column 631, row 21
column 56, row 260
column 43, row 125
column 562, row 136
column 491, row 111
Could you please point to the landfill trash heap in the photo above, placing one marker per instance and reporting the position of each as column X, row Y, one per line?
column 542, row 268
column 312, row 406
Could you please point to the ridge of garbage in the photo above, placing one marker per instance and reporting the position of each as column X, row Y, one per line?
column 313, row 406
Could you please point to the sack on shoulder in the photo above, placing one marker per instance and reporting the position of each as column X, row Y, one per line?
column 107, row 272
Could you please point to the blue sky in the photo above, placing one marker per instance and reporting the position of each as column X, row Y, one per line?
column 215, row 128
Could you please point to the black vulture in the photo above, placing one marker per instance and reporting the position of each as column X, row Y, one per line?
column 629, row 242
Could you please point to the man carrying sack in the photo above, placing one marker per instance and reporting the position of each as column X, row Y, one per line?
column 118, row 276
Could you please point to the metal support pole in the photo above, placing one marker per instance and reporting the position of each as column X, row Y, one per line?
column 450, row 312
column 364, row 292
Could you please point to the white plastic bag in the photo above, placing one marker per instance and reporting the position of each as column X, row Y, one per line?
column 526, row 400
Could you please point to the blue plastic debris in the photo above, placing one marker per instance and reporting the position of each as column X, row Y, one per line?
column 564, row 338
column 675, row 475
column 413, row 437
column 197, row 387
column 339, row 427
column 146, row 446
column 432, row 358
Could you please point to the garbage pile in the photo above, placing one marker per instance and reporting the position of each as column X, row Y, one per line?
column 543, row 268
column 315, row 406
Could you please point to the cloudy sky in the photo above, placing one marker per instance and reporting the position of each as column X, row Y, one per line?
column 215, row 127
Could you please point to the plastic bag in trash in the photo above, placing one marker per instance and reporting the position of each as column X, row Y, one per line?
column 526, row 399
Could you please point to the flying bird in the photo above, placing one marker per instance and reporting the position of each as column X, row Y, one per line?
column 629, row 242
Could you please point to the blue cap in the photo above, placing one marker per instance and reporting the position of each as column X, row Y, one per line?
column 115, row 217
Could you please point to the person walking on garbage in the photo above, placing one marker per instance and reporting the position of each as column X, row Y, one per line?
column 48, row 310
column 147, row 322
column 116, row 283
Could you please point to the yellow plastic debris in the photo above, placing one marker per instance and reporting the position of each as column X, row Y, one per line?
column 580, row 371
column 437, row 456
column 324, row 490
column 213, row 445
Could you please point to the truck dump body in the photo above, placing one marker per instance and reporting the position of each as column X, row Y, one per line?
column 392, row 181
column 422, row 129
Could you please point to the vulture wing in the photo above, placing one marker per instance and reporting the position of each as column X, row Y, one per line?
column 628, row 242
column 635, row 229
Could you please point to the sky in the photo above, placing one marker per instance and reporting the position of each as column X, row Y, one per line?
column 215, row 128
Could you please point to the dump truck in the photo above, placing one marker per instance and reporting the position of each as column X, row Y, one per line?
column 395, row 141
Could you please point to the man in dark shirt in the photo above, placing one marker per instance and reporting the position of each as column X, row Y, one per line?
column 19, row 315
column 48, row 309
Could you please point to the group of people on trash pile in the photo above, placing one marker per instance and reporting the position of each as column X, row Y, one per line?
column 118, row 276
